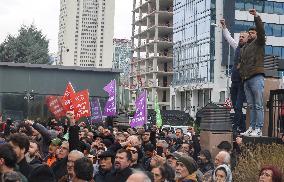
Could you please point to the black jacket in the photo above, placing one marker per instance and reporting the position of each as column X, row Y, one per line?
column 25, row 168
column 101, row 176
column 119, row 176
column 60, row 168
column 206, row 167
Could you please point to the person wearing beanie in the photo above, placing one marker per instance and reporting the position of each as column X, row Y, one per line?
column 186, row 169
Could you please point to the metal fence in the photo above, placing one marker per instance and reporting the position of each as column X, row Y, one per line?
column 276, row 113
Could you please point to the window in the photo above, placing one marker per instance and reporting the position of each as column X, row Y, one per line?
column 268, row 29
column 258, row 5
column 249, row 5
column 276, row 30
column 268, row 50
column 268, row 7
column 278, row 8
column 277, row 51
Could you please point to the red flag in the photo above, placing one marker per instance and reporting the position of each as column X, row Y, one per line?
column 67, row 98
column 81, row 104
column 228, row 104
column 55, row 106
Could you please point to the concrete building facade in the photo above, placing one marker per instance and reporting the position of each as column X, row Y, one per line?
column 201, row 55
column 152, row 66
column 86, row 29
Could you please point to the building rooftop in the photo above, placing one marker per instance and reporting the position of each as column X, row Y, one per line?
column 59, row 67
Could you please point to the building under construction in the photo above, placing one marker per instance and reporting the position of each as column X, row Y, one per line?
column 152, row 62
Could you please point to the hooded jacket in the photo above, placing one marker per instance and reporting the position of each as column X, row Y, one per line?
column 228, row 172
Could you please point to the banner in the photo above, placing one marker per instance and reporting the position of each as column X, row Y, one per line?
column 67, row 98
column 159, row 121
column 81, row 104
column 110, row 107
column 96, row 111
column 140, row 116
column 55, row 106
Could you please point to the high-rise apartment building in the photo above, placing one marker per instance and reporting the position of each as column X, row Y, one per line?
column 152, row 66
column 86, row 32
column 201, row 55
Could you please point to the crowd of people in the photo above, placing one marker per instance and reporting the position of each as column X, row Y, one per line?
column 65, row 151
column 71, row 151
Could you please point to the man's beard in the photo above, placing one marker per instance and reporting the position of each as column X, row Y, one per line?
column 250, row 40
column 178, row 175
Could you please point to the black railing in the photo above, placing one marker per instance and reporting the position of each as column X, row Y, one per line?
column 276, row 113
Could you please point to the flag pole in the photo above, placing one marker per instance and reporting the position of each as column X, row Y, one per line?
column 115, row 97
column 146, row 106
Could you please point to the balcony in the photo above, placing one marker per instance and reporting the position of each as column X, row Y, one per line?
column 163, row 16
column 163, row 46
column 143, row 7
column 164, row 30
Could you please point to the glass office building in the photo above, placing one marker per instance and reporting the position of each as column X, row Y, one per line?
column 193, row 41
column 201, row 55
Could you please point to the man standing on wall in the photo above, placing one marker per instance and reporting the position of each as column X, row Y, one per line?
column 237, row 87
column 252, row 73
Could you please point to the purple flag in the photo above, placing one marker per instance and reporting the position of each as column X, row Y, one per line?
column 96, row 111
column 110, row 107
column 140, row 116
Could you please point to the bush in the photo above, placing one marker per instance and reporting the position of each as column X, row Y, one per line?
column 253, row 158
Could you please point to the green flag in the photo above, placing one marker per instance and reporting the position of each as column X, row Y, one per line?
column 159, row 121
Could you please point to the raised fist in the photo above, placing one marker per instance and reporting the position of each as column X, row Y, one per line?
column 252, row 12
column 223, row 23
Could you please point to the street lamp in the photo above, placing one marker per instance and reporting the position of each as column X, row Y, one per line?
column 29, row 96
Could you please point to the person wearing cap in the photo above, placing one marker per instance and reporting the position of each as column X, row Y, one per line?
column 186, row 169
column 53, row 147
column 106, row 160
column 205, row 161
column 172, row 160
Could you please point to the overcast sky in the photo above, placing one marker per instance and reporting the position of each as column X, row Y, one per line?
column 45, row 15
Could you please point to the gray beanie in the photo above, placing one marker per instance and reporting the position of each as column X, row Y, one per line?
column 189, row 162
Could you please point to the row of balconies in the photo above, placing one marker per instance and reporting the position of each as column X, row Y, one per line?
column 150, row 84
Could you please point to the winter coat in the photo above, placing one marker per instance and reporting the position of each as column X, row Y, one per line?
column 252, row 54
